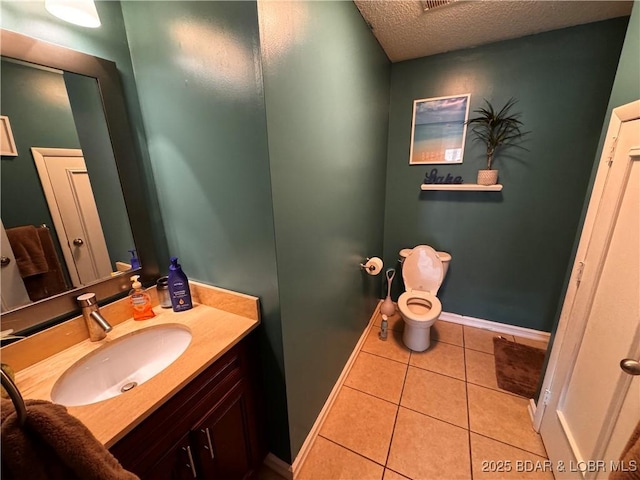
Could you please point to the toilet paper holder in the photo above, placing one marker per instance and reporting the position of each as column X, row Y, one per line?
column 372, row 265
column 366, row 266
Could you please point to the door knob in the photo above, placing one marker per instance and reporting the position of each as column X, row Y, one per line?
column 4, row 261
column 78, row 242
column 630, row 366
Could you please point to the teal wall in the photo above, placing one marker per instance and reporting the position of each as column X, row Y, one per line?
column 228, row 211
column 626, row 86
column 326, row 87
column 510, row 249
column 198, row 72
column 35, row 101
column 109, row 42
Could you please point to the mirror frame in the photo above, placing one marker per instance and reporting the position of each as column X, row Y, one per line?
column 46, row 312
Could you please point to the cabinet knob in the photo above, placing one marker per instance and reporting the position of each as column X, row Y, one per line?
column 4, row 261
column 210, row 446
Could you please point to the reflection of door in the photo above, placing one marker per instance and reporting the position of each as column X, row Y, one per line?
column 14, row 294
column 67, row 188
column 592, row 405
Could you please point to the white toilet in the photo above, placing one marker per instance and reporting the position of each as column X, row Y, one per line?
column 423, row 270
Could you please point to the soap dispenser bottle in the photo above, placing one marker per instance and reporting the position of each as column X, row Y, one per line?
column 179, row 287
column 140, row 300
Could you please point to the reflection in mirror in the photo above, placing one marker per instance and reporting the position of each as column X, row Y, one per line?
column 101, row 139
column 62, row 205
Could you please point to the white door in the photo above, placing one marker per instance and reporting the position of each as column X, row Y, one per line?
column 591, row 405
column 67, row 188
column 14, row 293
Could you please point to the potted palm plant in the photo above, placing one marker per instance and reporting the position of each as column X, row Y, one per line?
column 497, row 129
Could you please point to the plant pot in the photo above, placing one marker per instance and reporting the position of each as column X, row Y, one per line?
column 487, row 177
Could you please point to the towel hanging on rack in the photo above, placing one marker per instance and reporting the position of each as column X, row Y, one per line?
column 27, row 248
column 53, row 445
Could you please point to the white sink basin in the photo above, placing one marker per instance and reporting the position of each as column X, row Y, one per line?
column 121, row 365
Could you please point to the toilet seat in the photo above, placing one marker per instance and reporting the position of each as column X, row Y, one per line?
column 425, row 318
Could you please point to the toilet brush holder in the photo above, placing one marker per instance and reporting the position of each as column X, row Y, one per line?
column 388, row 308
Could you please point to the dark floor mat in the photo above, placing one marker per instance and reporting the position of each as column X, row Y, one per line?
column 518, row 366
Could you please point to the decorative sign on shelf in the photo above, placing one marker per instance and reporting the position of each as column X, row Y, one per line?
column 433, row 177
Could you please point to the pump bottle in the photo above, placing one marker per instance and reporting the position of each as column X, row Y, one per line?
column 140, row 300
column 179, row 287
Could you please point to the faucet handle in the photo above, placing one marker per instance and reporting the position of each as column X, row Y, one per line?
column 87, row 299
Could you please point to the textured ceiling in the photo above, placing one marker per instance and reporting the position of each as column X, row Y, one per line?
column 406, row 31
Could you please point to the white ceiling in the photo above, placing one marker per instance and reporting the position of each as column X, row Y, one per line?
column 406, row 31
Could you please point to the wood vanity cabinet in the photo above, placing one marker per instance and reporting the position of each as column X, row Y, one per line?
column 211, row 429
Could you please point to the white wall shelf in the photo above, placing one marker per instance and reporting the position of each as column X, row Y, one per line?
column 461, row 187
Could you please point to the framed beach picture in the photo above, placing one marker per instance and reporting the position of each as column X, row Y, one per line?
column 438, row 130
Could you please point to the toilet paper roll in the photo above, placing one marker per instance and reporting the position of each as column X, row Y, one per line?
column 373, row 266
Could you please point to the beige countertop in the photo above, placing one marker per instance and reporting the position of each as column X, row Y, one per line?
column 214, row 329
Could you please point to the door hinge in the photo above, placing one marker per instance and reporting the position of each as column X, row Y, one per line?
column 547, row 396
column 612, row 151
column 579, row 272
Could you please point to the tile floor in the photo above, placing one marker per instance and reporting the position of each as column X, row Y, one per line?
column 438, row 414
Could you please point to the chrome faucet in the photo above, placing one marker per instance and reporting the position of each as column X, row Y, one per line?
column 96, row 324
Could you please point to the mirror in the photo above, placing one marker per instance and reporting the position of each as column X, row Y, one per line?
column 62, row 186
column 67, row 196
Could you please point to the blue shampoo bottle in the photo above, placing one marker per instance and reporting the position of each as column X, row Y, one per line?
column 179, row 287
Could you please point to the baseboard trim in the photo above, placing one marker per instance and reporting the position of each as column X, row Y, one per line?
column 532, row 410
column 280, row 467
column 313, row 433
column 495, row 326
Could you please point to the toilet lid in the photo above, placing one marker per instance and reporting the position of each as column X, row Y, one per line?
column 422, row 270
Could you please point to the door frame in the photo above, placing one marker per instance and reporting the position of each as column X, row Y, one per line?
column 39, row 154
column 569, row 335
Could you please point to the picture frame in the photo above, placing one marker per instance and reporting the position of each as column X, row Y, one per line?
column 7, row 144
column 439, row 129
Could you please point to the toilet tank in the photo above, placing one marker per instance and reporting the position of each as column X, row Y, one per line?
column 445, row 258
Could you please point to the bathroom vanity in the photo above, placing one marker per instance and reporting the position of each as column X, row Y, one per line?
column 209, row 429
column 199, row 417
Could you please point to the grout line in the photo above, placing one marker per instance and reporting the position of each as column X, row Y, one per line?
column 499, row 390
column 395, row 420
column 484, row 435
column 511, row 445
column 352, row 451
column 397, row 473
column 439, row 373
column 382, row 356
column 431, row 416
column 466, row 389
column 370, row 394
column 511, row 394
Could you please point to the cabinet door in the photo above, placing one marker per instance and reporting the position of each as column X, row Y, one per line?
column 176, row 464
column 221, row 439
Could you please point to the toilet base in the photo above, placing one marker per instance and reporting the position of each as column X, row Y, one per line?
column 416, row 339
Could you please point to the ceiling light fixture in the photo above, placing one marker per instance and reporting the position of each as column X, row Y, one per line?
column 78, row 12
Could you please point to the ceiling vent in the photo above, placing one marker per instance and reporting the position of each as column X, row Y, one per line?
column 431, row 4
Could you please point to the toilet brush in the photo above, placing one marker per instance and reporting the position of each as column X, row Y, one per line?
column 388, row 308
